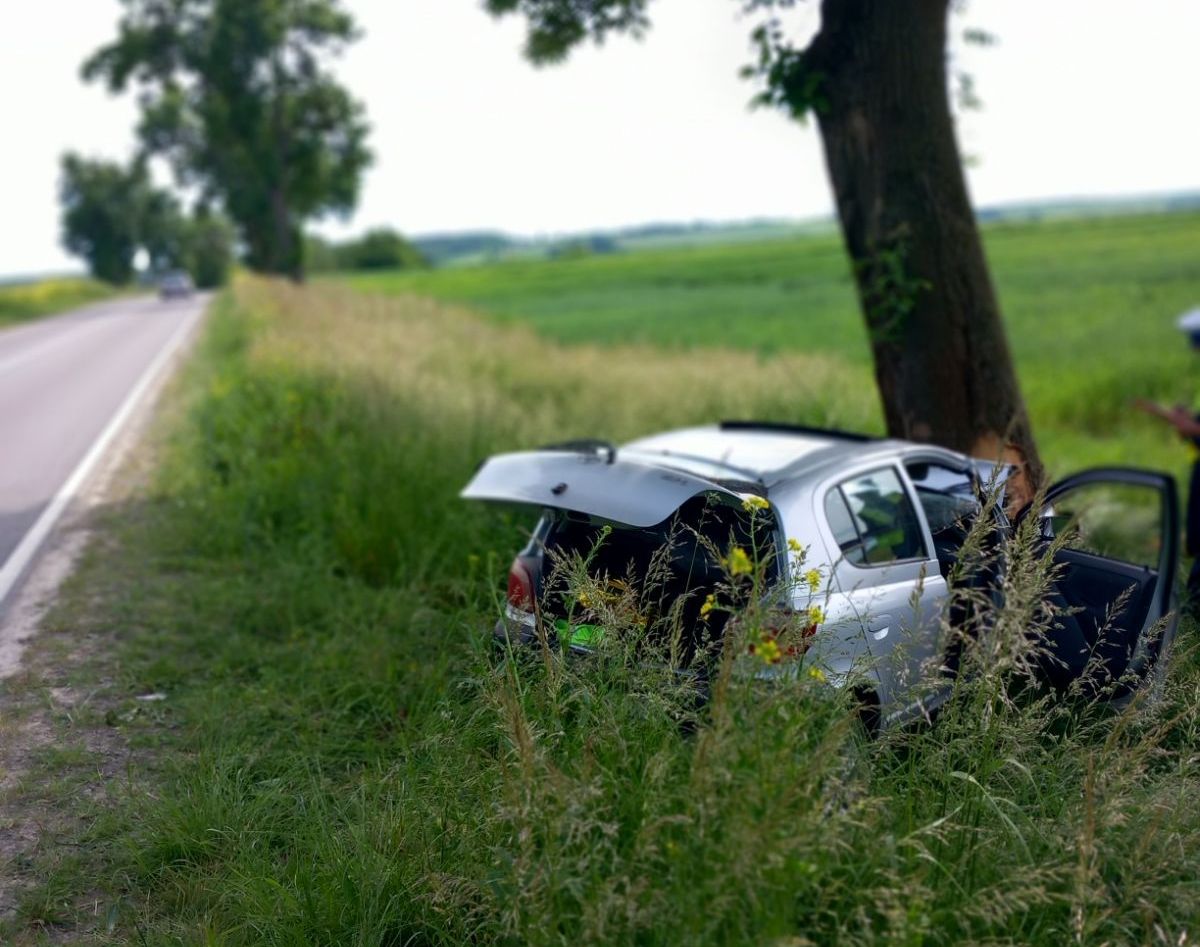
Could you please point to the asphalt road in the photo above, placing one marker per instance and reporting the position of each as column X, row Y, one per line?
column 66, row 383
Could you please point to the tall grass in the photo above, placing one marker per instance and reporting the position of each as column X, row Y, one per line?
column 349, row 763
column 1089, row 306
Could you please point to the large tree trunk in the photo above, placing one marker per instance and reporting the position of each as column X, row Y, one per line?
column 287, row 252
column 942, row 361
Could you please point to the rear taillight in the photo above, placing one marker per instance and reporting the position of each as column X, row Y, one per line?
column 520, row 586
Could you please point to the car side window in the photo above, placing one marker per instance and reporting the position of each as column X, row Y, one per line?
column 947, row 495
column 842, row 525
column 951, row 503
column 1110, row 520
column 873, row 519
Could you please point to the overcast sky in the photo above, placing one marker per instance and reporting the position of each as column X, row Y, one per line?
column 1081, row 97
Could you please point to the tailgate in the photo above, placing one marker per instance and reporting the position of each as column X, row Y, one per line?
column 623, row 491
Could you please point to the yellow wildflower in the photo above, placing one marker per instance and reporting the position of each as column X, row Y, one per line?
column 817, row 674
column 709, row 604
column 754, row 502
column 816, row 615
column 813, row 578
column 768, row 650
column 796, row 548
column 737, row 562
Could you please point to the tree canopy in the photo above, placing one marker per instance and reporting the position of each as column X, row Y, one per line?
column 379, row 249
column 108, row 213
column 237, row 95
column 558, row 26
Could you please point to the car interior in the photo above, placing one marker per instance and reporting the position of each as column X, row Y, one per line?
column 1106, row 599
column 1111, row 563
column 677, row 561
column 1111, row 601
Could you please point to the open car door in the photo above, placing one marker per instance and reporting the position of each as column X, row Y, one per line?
column 1121, row 528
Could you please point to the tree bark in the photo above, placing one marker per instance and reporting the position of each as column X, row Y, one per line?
column 286, row 253
column 942, row 361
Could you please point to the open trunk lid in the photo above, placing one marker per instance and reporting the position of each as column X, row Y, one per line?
column 623, row 491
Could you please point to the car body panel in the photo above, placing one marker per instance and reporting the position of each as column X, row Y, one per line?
column 754, row 453
column 897, row 606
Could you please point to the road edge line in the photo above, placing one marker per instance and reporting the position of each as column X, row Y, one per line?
column 19, row 560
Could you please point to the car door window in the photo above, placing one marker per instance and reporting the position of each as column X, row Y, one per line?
column 842, row 524
column 950, row 502
column 1114, row 521
column 873, row 520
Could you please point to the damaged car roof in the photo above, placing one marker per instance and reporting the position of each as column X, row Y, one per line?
column 754, row 451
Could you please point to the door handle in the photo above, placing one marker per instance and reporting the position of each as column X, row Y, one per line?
column 879, row 626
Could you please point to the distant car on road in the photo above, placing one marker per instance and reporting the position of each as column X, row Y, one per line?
column 881, row 523
column 175, row 284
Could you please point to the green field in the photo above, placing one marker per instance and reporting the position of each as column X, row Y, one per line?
column 21, row 301
column 1090, row 306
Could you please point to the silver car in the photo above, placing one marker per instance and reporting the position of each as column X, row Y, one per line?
column 881, row 523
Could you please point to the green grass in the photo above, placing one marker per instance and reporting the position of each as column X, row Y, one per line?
column 22, row 301
column 339, row 761
column 1089, row 305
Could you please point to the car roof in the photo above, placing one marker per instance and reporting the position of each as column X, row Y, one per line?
column 768, row 453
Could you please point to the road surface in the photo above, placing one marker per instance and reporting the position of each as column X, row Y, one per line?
column 66, row 385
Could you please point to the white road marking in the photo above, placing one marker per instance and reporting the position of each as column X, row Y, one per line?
column 23, row 554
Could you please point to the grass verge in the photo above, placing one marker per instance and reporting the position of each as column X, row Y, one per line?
column 338, row 760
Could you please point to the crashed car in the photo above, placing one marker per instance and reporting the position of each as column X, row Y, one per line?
column 881, row 522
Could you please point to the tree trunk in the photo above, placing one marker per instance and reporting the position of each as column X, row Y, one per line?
column 286, row 252
column 942, row 362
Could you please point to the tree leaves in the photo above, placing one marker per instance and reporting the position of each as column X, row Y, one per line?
column 558, row 26
column 237, row 96
column 105, row 214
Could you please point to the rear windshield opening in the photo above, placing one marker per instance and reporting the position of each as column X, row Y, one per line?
column 666, row 571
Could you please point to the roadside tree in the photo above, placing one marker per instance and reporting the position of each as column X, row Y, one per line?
column 208, row 248
column 379, row 249
column 875, row 78
column 104, row 208
column 238, row 96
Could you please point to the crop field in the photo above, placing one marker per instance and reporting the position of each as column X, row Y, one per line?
column 1089, row 303
column 335, row 756
column 20, row 301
